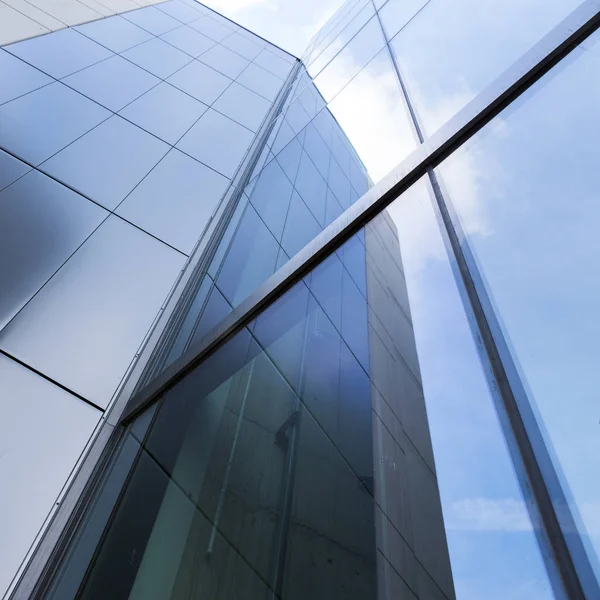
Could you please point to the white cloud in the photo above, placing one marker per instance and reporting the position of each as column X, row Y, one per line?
column 487, row 514
column 232, row 7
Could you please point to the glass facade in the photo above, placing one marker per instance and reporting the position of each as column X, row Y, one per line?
column 373, row 376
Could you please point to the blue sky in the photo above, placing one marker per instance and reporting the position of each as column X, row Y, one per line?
column 289, row 24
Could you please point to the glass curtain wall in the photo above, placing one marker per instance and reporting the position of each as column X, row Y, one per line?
column 349, row 442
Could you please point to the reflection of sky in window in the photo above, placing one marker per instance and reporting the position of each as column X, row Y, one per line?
column 531, row 183
column 493, row 550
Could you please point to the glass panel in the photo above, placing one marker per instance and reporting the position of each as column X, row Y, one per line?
column 11, row 169
column 39, row 124
column 108, row 162
column 180, row 11
column 158, row 57
column 260, row 81
column 243, row 106
column 365, row 45
column 189, row 41
column 250, row 260
column 300, row 226
column 152, row 20
column 60, row 53
column 211, row 28
column 200, row 81
column 165, row 112
column 36, row 475
column 444, row 67
column 18, row 77
column 397, row 13
column 114, row 83
column 227, row 62
column 111, row 288
column 217, row 142
column 526, row 194
column 176, row 200
column 115, row 33
column 312, row 188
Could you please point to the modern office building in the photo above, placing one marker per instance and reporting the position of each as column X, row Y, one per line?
column 299, row 328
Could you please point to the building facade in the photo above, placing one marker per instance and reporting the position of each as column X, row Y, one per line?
column 289, row 328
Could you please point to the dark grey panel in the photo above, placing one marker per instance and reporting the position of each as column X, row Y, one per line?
column 243, row 106
column 189, row 41
column 18, row 77
column 108, row 162
column 158, row 57
column 165, row 111
column 260, row 81
column 111, row 289
column 10, row 169
column 114, row 83
column 36, row 458
column 176, row 200
column 200, row 81
column 115, row 33
column 224, row 60
column 217, row 141
column 60, row 53
column 151, row 19
column 41, row 224
column 39, row 124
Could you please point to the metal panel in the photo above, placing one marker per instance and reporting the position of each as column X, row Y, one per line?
column 115, row 33
column 18, row 77
column 243, row 106
column 108, row 162
column 41, row 224
column 85, row 325
column 61, row 53
column 39, row 124
column 41, row 437
column 114, row 83
column 217, row 141
column 176, row 200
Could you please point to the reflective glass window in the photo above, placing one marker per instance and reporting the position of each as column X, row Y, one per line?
column 272, row 63
column 10, row 169
column 60, row 53
column 212, row 28
column 107, row 162
column 289, row 159
column 113, row 83
column 397, row 13
column 300, row 226
column 215, row 310
column 271, row 197
column 18, row 77
column 451, row 51
column 217, row 142
column 158, row 57
column 39, row 124
column 165, row 111
column 372, row 113
column 338, row 73
column 311, row 187
column 200, row 81
column 115, row 33
column 525, row 192
column 180, row 10
column 250, row 260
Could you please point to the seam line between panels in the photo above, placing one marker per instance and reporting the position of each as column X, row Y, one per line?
column 49, row 379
